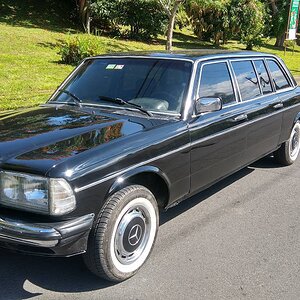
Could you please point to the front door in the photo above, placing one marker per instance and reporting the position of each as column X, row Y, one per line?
column 218, row 139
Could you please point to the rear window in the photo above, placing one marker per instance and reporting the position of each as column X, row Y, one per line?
column 216, row 82
column 278, row 76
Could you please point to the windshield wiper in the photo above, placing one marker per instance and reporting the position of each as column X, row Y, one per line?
column 76, row 100
column 123, row 102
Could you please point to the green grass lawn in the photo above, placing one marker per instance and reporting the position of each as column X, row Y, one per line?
column 30, row 69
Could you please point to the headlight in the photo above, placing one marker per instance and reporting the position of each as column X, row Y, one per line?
column 36, row 194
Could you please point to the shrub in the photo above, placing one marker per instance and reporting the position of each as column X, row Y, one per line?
column 76, row 48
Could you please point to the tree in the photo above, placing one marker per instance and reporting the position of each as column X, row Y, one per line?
column 209, row 19
column 248, row 18
column 280, row 12
column 170, row 7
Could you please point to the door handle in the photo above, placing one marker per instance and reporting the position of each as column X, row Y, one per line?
column 278, row 105
column 240, row 118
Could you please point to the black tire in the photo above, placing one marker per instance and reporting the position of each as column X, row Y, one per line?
column 133, row 213
column 289, row 151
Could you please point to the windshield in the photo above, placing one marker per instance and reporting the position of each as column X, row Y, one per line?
column 154, row 84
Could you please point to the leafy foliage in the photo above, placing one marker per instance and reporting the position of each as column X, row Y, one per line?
column 210, row 19
column 248, row 18
column 182, row 18
column 144, row 17
column 280, row 12
column 105, row 14
column 76, row 48
column 280, row 19
column 224, row 19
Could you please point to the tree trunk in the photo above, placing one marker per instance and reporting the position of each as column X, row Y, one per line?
column 280, row 40
column 172, row 17
column 274, row 7
column 249, row 47
column 84, row 14
column 281, row 36
column 88, row 24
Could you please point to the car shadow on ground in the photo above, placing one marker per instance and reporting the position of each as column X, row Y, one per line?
column 18, row 272
column 267, row 162
column 67, row 275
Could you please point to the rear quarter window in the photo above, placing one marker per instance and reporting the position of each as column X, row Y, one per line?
column 279, row 78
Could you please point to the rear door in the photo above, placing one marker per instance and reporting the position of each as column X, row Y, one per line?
column 262, row 104
column 218, row 138
column 284, row 89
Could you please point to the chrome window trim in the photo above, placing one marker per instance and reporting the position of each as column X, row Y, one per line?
column 189, row 101
column 252, row 56
column 238, row 87
column 188, row 145
column 274, row 92
column 270, row 75
column 231, row 56
column 230, row 75
column 139, row 56
column 257, row 77
column 235, row 83
column 284, row 71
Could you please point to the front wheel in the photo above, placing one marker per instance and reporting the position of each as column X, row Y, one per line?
column 124, row 234
column 289, row 151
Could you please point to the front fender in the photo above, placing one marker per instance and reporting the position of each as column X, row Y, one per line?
column 297, row 118
column 121, row 180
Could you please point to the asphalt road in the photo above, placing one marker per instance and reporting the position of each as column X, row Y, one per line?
column 238, row 240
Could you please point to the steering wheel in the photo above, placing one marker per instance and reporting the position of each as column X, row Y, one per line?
column 173, row 101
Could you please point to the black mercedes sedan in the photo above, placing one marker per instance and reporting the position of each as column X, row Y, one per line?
column 126, row 136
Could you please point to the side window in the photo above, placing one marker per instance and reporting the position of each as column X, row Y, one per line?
column 216, row 82
column 263, row 76
column 247, row 80
column 279, row 78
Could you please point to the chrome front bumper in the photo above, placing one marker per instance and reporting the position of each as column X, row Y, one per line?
column 48, row 235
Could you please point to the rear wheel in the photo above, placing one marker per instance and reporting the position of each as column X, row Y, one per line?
column 124, row 234
column 289, row 151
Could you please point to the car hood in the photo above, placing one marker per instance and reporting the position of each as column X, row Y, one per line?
column 36, row 139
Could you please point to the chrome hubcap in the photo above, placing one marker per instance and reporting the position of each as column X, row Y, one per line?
column 132, row 235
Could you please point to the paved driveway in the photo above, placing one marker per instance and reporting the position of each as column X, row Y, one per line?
column 238, row 240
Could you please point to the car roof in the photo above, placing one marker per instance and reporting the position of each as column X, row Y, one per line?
column 191, row 55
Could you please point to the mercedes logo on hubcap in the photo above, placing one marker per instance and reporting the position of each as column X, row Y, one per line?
column 135, row 234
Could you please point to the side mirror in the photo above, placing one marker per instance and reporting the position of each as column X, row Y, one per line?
column 204, row 105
